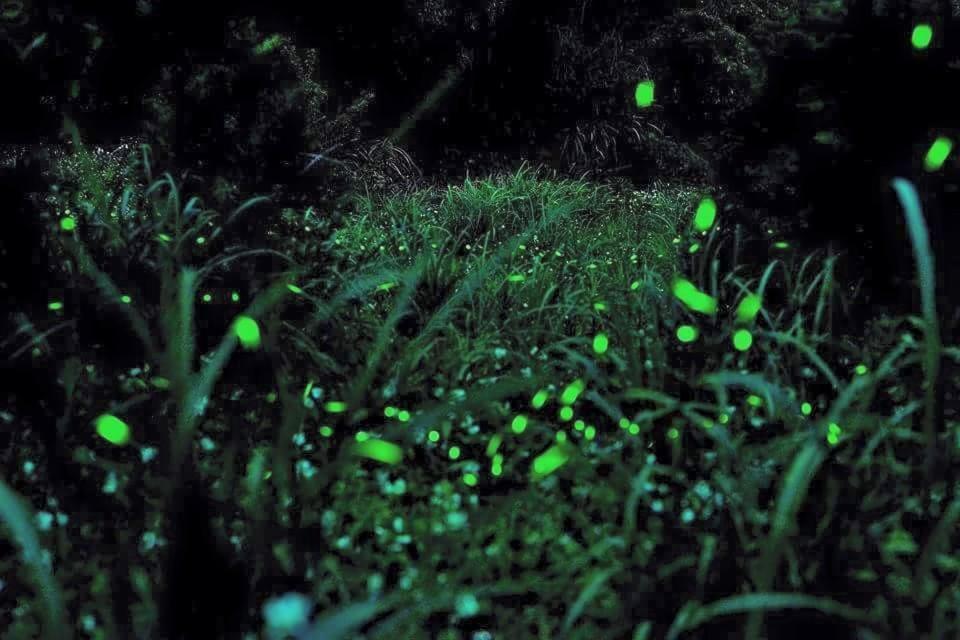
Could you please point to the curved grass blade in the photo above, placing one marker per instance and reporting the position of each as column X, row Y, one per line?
column 18, row 519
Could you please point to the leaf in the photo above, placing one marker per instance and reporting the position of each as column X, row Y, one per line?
column 19, row 521
column 589, row 592
column 694, row 615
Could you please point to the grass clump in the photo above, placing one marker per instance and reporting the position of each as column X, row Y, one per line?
column 519, row 407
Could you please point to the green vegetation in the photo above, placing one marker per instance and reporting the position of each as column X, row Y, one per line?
column 518, row 404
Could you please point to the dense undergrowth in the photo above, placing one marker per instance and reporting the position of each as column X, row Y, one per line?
column 519, row 408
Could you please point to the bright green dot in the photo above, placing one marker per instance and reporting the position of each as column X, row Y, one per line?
column 686, row 333
column 566, row 414
column 673, row 433
column 403, row 415
column 624, row 423
column 937, row 154
column 162, row 237
column 235, row 296
column 633, row 429
column 600, row 306
column 694, row 247
column 550, row 460
column 781, row 245
column 572, row 392
column 207, row 297
column 362, row 436
column 706, row 214
column 389, row 411
column 247, row 331
column 748, row 308
column 707, row 423
column 496, row 469
column 540, row 399
column 860, row 369
column 68, row 224
column 470, row 479
column 433, row 436
column 922, row 36
column 561, row 436
column 125, row 299
column 590, row 433
column 519, row 423
column 723, row 418
column 742, row 339
column 494, row 444
column 160, row 382
column 55, row 306
column 806, row 408
column 754, row 400
column 454, row 452
column 294, row 288
column 634, row 285
column 326, row 431
column 517, row 277
column 579, row 425
column 113, row 429
column 600, row 343
column 335, row 406
column 379, row 450
column 696, row 300
column 201, row 240
column 643, row 94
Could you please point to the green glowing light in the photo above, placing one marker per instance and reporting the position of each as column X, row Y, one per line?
column 247, row 331
column 379, row 450
column 742, row 340
column 694, row 299
column 748, row 308
column 806, row 408
column 470, row 479
column 519, row 424
column 68, row 224
column 706, row 214
column 550, row 460
column 572, row 392
column 540, row 399
column 433, row 436
column 454, row 452
column 566, row 414
column 922, row 36
column 335, row 406
column 643, row 94
column 390, row 411
column 600, row 343
column 937, row 154
column 686, row 333
column 113, row 429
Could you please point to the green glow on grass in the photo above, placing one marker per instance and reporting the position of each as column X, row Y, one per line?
column 519, row 424
column 694, row 299
column 600, row 343
column 68, row 224
column 566, row 414
column 748, row 308
column 937, row 154
column 686, row 333
column 247, row 331
column 742, row 340
column 706, row 215
column 335, row 406
column 643, row 94
column 922, row 36
column 379, row 450
column 113, row 429
column 572, row 392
